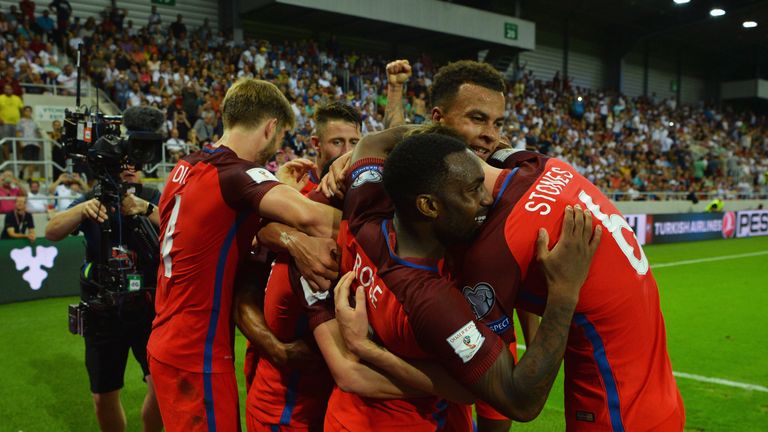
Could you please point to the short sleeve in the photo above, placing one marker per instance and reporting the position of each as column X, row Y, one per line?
column 319, row 306
column 243, row 186
column 366, row 198
column 445, row 326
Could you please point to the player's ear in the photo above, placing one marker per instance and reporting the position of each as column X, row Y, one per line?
column 427, row 205
column 437, row 114
column 270, row 129
column 315, row 141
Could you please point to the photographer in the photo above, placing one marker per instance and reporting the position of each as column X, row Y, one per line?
column 116, row 319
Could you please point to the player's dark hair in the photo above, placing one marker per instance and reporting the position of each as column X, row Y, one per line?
column 450, row 77
column 336, row 111
column 418, row 166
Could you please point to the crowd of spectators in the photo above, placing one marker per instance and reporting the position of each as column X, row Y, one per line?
column 632, row 148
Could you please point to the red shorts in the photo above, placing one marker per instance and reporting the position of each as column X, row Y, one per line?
column 256, row 426
column 486, row 411
column 249, row 364
column 186, row 406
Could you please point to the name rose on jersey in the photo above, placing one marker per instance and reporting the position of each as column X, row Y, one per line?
column 547, row 188
column 367, row 277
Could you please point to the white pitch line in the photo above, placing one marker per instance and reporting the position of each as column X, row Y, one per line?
column 701, row 260
column 705, row 379
column 721, row 381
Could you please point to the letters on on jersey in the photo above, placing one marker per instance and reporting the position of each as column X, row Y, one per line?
column 549, row 186
column 368, row 279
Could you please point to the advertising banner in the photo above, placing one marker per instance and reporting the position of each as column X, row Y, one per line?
column 638, row 222
column 40, row 270
column 683, row 227
column 751, row 223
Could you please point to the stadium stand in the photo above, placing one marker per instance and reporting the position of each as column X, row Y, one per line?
column 635, row 148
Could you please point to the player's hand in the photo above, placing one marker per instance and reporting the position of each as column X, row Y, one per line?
column 566, row 266
column 31, row 237
column 94, row 210
column 316, row 259
column 295, row 173
column 398, row 72
column 353, row 321
column 332, row 183
column 133, row 205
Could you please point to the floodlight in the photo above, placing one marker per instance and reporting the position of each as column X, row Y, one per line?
column 749, row 24
column 681, row 2
column 716, row 12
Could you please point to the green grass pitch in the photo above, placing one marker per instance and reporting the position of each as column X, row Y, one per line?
column 716, row 315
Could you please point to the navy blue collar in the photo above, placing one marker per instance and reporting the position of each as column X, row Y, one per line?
column 505, row 184
column 397, row 259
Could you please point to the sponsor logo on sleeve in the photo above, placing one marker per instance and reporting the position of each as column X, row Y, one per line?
column 260, row 175
column 466, row 342
column 366, row 174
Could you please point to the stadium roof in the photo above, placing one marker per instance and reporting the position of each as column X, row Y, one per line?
column 661, row 25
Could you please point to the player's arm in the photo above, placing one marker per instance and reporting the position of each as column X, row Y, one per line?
column 426, row 377
column 520, row 391
column 284, row 204
column 529, row 323
column 249, row 318
column 352, row 376
column 315, row 257
column 398, row 73
column 66, row 222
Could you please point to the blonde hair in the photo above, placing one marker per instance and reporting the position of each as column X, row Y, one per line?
column 250, row 101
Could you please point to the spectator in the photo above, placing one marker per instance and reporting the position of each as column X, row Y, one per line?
column 155, row 21
column 67, row 188
column 204, row 126
column 10, row 114
column 27, row 8
column 37, row 202
column 63, row 11
column 18, row 222
column 178, row 29
column 45, row 23
column 67, row 80
column 176, row 146
column 30, row 150
column 10, row 187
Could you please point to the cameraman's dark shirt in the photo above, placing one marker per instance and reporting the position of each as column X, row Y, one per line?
column 92, row 232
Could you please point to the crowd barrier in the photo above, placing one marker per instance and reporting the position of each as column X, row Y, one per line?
column 686, row 227
column 40, row 270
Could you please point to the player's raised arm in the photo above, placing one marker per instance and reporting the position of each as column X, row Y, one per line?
column 398, row 73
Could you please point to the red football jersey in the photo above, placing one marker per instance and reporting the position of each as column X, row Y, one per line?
column 312, row 181
column 208, row 217
column 413, row 309
column 289, row 396
column 617, row 371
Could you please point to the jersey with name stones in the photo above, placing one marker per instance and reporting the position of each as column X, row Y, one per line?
column 618, row 373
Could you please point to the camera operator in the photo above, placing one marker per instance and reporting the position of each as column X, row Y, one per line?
column 115, row 320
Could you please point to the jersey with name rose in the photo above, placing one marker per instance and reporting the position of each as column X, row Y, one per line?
column 413, row 309
column 208, row 217
column 618, row 373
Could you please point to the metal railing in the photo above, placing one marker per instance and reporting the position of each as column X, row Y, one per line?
column 58, row 90
column 46, row 161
